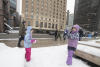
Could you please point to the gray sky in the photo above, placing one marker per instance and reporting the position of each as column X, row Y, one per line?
column 70, row 6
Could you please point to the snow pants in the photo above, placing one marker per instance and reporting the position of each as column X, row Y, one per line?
column 28, row 54
column 70, row 55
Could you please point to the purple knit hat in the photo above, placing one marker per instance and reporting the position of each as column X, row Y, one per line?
column 77, row 27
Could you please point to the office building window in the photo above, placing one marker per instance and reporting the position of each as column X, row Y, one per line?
column 41, row 24
column 52, row 25
column 45, row 25
column 26, row 14
column 26, row 10
column 26, row 1
column 42, row 3
column 32, row 10
column 49, row 19
column 37, row 24
column 60, row 27
column 49, row 25
column 32, row 15
column 56, row 27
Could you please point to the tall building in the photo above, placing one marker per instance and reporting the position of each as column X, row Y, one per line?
column 86, row 14
column 70, row 21
column 4, row 13
column 12, row 21
column 45, row 14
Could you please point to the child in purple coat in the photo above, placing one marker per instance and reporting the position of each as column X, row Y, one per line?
column 73, row 38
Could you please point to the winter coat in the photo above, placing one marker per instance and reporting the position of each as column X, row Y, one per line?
column 56, row 33
column 73, row 37
column 80, row 33
column 65, row 32
column 22, row 30
column 28, row 38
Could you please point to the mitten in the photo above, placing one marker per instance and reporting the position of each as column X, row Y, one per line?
column 33, row 41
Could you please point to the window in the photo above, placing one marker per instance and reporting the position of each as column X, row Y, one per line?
column 37, row 3
column 60, row 27
column 45, row 18
column 49, row 25
column 26, row 14
column 32, row 10
column 37, row 24
column 26, row 10
column 63, row 18
column 42, row 3
column 53, row 16
column 32, row 15
column 32, row 4
column 61, row 1
column 49, row 19
column 41, row 24
column 26, row 0
column 52, row 25
column 45, row 25
column 56, row 26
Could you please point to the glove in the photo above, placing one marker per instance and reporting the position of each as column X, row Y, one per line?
column 33, row 41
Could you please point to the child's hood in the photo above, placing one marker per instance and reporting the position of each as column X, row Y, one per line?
column 29, row 29
column 77, row 27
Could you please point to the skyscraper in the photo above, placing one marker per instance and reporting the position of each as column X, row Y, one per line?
column 87, row 14
column 45, row 14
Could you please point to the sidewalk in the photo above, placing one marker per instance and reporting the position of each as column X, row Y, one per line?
column 15, row 35
column 40, row 42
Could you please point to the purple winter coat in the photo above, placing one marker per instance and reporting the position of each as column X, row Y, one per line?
column 73, row 37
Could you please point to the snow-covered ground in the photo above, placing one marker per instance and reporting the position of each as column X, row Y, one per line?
column 90, row 43
column 54, row 56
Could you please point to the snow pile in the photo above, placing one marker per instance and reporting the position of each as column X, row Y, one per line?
column 41, row 57
column 3, row 46
column 11, row 57
column 89, row 50
column 90, row 43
